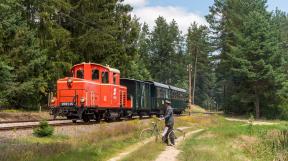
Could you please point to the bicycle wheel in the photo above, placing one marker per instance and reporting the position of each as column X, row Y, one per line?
column 171, row 137
column 148, row 133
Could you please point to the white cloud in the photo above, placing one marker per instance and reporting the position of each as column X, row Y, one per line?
column 183, row 18
column 136, row 3
column 149, row 14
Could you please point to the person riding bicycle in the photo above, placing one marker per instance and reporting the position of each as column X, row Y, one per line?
column 169, row 123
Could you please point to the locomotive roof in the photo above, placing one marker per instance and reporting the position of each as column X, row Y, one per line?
column 107, row 67
column 178, row 89
column 157, row 84
column 131, row 79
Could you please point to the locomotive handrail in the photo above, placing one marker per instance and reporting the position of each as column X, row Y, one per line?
column 75, row 99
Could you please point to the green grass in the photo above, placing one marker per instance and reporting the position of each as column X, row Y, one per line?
column 94, row 152
column 146, row 153
column 226, row 141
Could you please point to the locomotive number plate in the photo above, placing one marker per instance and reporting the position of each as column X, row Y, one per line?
column 69, row 104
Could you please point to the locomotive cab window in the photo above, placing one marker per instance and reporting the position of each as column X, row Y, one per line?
column 80, row 74
column 105, row 77
column 95, row 74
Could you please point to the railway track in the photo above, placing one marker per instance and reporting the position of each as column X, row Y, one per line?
column 209, row 113
column 23, row 121
column 7, row 126
column 31, row 124
column 16, row 125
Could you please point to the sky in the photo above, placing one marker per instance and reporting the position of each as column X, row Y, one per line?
column 184, row 12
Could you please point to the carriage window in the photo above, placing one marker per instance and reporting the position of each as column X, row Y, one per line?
column 159, row 93
column 166, row 93
column 114, row 78
column 95, row 74
column 105, row 77
column 80, row 74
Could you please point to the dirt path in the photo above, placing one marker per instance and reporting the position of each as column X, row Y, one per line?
column 171, row 153
column 130, row 149
column 135, row 147
column 255, row 122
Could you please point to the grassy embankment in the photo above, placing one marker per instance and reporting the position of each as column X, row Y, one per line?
column 151, row 150
column 226, row 141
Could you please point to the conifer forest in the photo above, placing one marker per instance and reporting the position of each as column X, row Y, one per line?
column 241, row 56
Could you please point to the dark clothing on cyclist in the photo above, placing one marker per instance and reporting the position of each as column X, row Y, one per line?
column 169, row 120
column 169, row 123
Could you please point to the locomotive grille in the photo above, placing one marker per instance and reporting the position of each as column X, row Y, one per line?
column 124, row 101
column 122, row 98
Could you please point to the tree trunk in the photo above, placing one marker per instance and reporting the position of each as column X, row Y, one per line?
column 257, row 104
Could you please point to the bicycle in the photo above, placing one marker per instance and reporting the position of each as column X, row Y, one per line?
column 151, row 132
column 155, row 132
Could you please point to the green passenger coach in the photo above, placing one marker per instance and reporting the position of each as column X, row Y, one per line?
column 148, row 97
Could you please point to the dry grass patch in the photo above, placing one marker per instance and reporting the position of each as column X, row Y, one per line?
column 244, row 142
column 196, row 108
column 196, row 119
column 23, row 116
column 207, row 135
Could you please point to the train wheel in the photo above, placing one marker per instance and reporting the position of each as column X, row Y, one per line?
column 86, row 119
column 98, row 117
column 74, row 120
column 130, row 116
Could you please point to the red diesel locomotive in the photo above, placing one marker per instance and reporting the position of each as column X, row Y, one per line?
column 93, row 92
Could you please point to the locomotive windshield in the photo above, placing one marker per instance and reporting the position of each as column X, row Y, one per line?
column 80, row 74
column 105, row 77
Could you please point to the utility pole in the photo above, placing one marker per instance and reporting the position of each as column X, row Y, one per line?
column 189, row 68
column 194, row 81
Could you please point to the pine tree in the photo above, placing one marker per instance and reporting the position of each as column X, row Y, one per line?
column 198, row 47
column 249, row 58
column 166, row 50
column 144, row 45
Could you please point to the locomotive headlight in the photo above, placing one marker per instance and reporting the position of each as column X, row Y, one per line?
column 82, row 100
column 69, row 82
column 52, row 100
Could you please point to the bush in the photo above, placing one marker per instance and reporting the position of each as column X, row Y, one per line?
column 43, row 130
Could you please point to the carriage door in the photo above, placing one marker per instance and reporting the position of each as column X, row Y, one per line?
column 147, row 97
